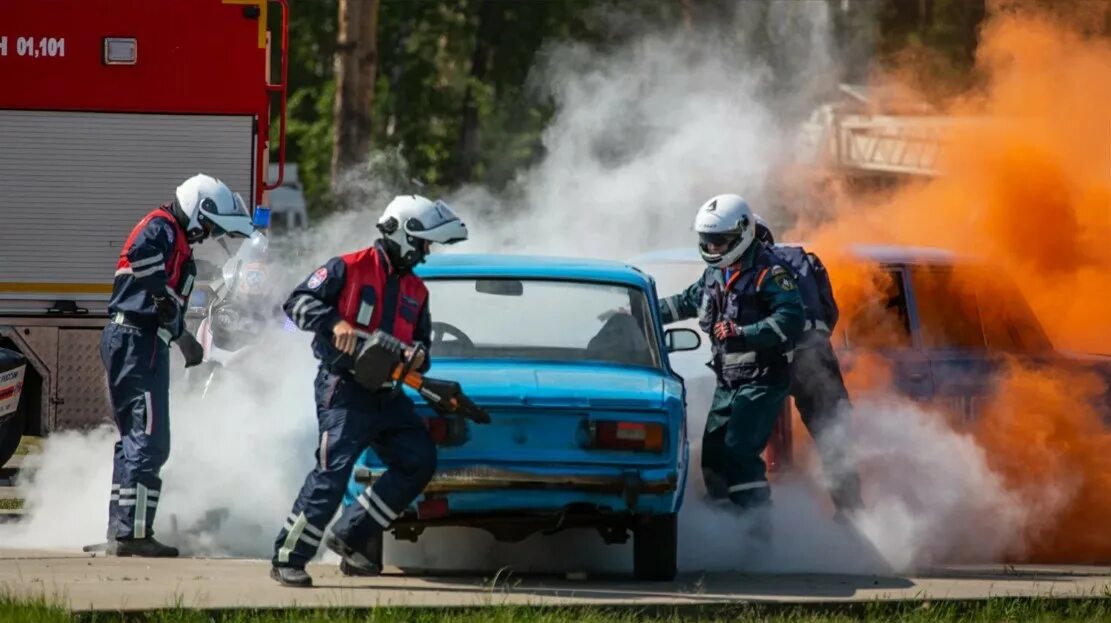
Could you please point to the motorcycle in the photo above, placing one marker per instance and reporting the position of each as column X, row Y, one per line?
column 233, row 311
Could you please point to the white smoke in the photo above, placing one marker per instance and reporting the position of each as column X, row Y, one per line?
column 642, row 135
column 65, row 491
column 229, row 483
column 933, row 497
column 930, row 498
column 243, row 451
column 641, row 138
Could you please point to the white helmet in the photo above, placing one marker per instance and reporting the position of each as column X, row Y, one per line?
column 410, row 219
column 209, row 208
column 724, row 220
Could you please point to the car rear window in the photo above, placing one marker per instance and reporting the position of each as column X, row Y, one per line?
column 543, row 320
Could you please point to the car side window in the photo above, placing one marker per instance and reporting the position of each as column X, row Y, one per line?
column 1009, row 323
column 877, row 311
column 947, row 309
column 977, row 308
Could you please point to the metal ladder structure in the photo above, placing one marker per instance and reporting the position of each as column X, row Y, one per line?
column 849, row 138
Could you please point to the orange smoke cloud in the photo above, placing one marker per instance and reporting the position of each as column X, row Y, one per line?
column 1026, row 184
column 1046, row 439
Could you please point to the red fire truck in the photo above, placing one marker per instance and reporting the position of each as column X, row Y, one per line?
column 105, row 107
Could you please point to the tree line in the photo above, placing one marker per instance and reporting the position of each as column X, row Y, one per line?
column 443, row 84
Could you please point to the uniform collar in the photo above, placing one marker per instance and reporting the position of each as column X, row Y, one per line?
column 746, row 261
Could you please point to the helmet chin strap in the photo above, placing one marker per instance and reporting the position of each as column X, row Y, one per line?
column 198, row 234
column 393, row 252
column 192, row 236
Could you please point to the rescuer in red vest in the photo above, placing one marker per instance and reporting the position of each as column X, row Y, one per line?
column 342, row 302
column 154, row 277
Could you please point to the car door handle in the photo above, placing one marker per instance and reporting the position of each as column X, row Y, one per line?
column 917, row 377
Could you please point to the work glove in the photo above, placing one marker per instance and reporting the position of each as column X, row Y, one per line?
column 726, row 329
column 191, row 349
column 167, row 310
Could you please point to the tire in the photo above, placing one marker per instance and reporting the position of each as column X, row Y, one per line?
column 11, row 430
column 656, row 548
column 374, row 549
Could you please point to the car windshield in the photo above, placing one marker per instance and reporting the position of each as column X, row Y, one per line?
column 541, row 319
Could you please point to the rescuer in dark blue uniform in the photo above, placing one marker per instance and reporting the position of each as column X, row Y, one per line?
column 816, row 382
column 748, row 304
column 342, row 302
column 154, row 277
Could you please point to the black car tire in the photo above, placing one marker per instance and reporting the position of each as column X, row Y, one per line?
column 11, row 431
column 376, row 547
column 656, row 548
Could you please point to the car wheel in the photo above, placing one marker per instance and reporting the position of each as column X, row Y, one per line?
column 374, row 549
column 11, row 430
column 655, row 547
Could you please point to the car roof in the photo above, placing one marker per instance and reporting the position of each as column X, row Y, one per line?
column 447, row 265
column 884, row 254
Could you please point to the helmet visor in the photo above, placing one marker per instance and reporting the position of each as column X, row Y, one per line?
column 717, row 240
column 226, row 220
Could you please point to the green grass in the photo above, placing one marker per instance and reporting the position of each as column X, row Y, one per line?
column 10, row 504
column 30, row 611
column 28, row 445
column 990, row 611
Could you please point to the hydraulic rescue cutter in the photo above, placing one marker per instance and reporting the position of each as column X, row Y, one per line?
column 385, row 360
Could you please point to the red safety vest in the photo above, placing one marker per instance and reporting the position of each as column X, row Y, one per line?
column 364, row 288
column 181, row 253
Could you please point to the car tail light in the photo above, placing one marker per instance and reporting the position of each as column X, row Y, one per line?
column 446, row 431
column 617, row 435
column 437, row 428
column 431, row 508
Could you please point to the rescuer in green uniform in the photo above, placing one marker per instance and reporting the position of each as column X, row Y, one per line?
column 748, row 303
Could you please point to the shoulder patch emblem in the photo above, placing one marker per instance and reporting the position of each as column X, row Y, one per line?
column 317, row 278
column 784, row 281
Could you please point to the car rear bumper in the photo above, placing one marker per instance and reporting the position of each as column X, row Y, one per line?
column 512, row 501
column 486, row 478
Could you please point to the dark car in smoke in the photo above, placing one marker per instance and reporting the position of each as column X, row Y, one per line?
column 588, row 421
column 944, row 325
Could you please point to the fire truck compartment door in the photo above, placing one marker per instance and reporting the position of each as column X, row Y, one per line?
column 73, row 184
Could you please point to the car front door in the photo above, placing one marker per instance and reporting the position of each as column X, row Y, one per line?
column 883, row 323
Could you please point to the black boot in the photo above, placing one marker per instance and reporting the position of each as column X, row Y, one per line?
column 288, row 576
column 143, row 548
column 354, row 562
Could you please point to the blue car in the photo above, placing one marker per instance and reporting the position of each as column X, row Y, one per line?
column 589, row 428
column 944, row 338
